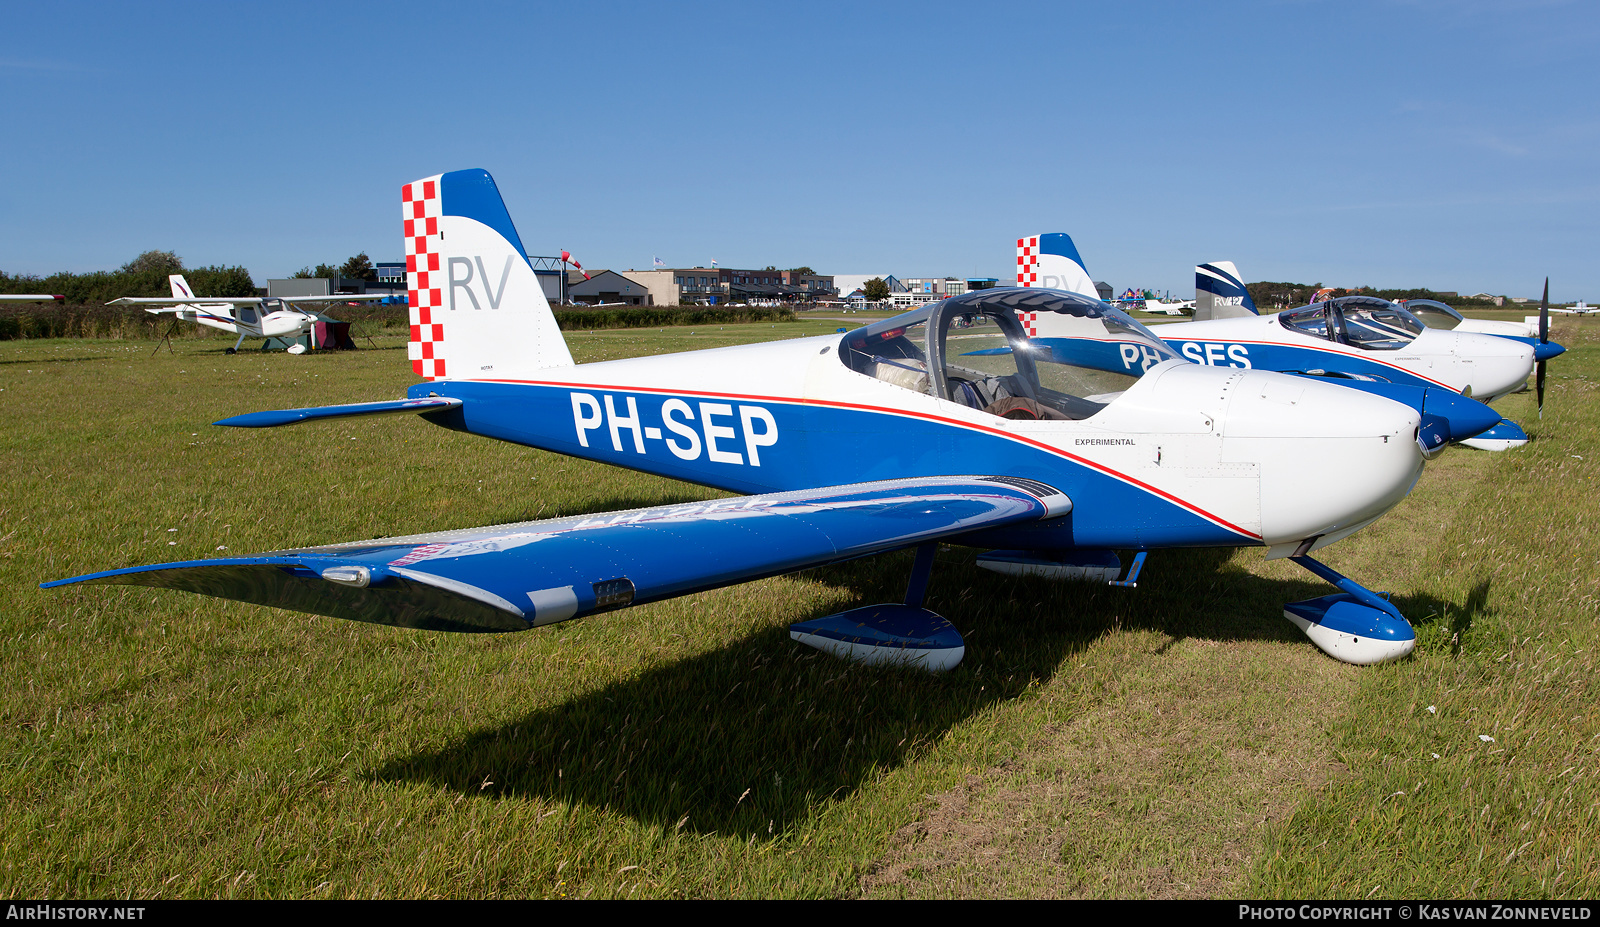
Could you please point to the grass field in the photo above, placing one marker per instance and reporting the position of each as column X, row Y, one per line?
column 1176, row 740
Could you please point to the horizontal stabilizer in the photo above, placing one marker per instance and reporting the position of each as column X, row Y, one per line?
column 295, row 416
column 511, row 577
column 335, row 298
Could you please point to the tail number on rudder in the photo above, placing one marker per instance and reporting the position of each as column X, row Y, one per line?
column 710, row 428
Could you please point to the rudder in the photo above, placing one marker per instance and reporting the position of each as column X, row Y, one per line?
column 477, row 309
column 1220, row 293
column 1052, row 261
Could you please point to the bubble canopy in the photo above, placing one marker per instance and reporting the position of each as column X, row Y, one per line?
column 1016, row 352
column 1365, row 322
column 1433, row 313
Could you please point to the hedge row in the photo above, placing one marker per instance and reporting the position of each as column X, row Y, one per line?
column 104, row 286
column 80, row 320
column 662, row 316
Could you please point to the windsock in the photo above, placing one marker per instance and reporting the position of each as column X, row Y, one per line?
column 567, row 258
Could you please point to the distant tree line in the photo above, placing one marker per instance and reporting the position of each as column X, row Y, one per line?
column 145, row 275
column 1271, row 296
column 357, row 268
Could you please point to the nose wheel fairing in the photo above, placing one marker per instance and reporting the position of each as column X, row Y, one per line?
column 1502, row 437
column 1355, row 625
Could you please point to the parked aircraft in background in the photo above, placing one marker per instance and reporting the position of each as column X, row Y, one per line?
column 249, row 316
column 29, row 298
column 1424, row 359
column 1359, row 340
column 1169, row 307
column 951, row 423
column 1374, row 339
column 1435, row 314
column 1582, row 308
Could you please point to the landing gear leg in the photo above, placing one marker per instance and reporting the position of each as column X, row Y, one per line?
column 235, row 348
column 166, row 340
column 1355, row 625
column 905, row 633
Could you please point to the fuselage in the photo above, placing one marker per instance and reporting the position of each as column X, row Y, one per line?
column 1487, row 365
column 249, row 320
column 1190, row 455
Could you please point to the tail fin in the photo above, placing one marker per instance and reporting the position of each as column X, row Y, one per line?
column 1052, row 261
column 477, row 310
column 180, row 287
column 1219, row 292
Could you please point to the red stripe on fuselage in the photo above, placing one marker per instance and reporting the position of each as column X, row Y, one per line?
column 1318, row 348
column 909, row 414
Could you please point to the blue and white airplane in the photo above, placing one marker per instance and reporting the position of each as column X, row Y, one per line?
column 1355, row 338
column 1364, row 336
column 951, row 423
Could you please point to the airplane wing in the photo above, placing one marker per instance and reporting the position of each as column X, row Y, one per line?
column 30, row 298
column 181, row 302
column 518, row 576
column 191, row 301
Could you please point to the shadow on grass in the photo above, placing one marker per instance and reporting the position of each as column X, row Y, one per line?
column 39, row 361
column 1424, row 610
column 755, row 736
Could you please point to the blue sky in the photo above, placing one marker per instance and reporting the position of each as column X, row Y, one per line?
column 1445, row 144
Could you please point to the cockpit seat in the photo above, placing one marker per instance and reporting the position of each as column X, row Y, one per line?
column 906, row 373
column 1023, row 409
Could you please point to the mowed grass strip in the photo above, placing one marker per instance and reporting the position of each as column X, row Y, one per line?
column 158, row 744
column 1473, row 767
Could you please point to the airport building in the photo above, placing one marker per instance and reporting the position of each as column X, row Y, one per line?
column 722, row 286
column 607, row 287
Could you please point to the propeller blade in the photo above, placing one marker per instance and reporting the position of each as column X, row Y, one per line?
column 1544, row 338
column 1544, row 313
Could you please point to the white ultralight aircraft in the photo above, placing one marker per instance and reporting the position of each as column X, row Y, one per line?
column 1169, row 306
column 952, row 423
column 249, row 316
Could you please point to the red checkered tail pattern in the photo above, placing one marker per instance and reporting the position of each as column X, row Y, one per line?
column 478, row 311
column 1053, row 261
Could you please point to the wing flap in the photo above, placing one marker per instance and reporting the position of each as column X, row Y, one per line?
column 510, row 577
